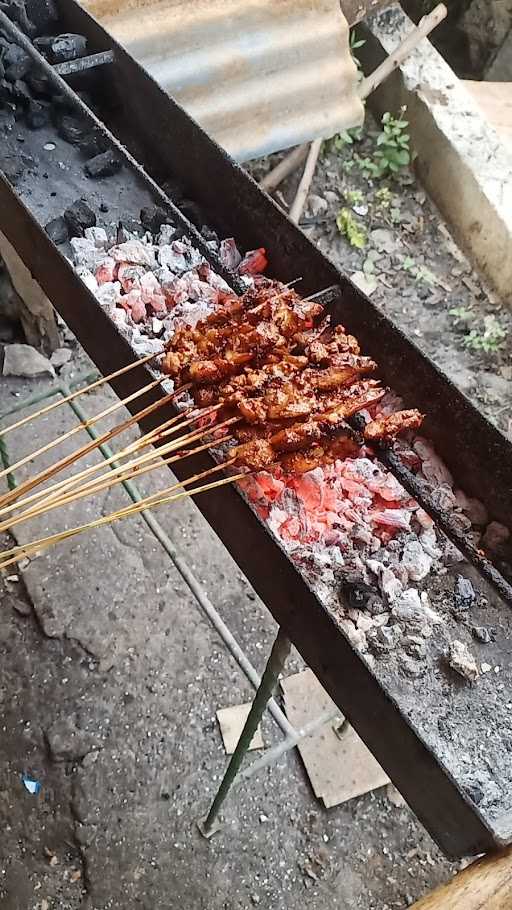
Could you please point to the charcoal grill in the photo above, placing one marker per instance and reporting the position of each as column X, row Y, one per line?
column 427, row 736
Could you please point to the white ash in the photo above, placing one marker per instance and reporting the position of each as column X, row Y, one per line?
column 98, row 236
column 85, row 253
column 415, row 560
column 462, row 661
column 414, row 613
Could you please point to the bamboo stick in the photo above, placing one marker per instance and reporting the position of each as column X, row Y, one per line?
column 56, row 489
column 305, row 181
column 73, row 395
column 84, row 450
column 149, row 502
column 123, row 472
column 78, row 427
column 105, row 483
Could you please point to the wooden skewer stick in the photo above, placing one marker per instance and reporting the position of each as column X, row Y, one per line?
column 84, row 450
column 78, row 427
column 157, row 499
column 305, row 181
column 123, row 472
column 73, row 395
column 176, row 423
column 286, row 166
column 105, row 483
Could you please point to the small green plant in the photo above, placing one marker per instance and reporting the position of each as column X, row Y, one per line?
column 393, row 148
column 490, row 340
column 419, row 272
column 384, row 197
column 351, row 229
column 461, row 314
column 354, row 197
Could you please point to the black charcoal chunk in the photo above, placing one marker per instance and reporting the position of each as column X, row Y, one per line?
column 57, row 230
column 39, row 83
column 38, row 114
column 5, row 90
column 7, row 120
column 103, row 165
column 103, row 207
column 78, row 217
column 153, row 217
column 72, row 129
column 67, row 47
column 465, row 595
column 16, row 10
column 16, row 62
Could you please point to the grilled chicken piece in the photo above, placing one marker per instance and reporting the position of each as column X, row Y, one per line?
column 302, row 462
column 257, row 455
column 389, row 427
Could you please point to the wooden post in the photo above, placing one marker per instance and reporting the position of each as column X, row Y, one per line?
column 485, row 885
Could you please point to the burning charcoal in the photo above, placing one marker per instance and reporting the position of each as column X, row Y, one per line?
column 462, row 661
column 464, row 593
column 16, row 62
column 67, row 47
column 481, row 634
column 78, row 217
column 153, row 217
column 104, row 165
column 72, row 128
column 38, row 114
column 57, row 230
column 253, row 262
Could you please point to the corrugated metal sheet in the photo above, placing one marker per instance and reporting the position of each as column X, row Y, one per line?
column 258, row 75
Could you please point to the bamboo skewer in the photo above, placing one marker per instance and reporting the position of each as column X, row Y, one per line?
column 156, row 499
column 178, row 422
column 73, row 395
column 124, row 472
column 104, row 483
column 78, row 427
column 88, row 447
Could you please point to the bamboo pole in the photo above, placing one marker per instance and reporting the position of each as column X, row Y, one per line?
column 484, row 885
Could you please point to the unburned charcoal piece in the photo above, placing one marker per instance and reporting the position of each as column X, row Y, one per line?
column 39, row 82
column 57, row 230
column 72, row 129
column 16, row 62
column 103, row 165
column 78, row 217
column 67, row 47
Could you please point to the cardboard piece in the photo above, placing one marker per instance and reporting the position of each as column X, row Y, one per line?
column 337, row 761
column 231, row 723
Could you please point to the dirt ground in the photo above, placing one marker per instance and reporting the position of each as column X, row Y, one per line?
column 110, row 676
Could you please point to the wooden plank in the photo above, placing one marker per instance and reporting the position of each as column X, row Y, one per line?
column 485, row 885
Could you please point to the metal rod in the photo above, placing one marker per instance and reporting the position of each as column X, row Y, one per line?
column 269, row 680
column 289, row 742
column 83, row 63
column 178, row 217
